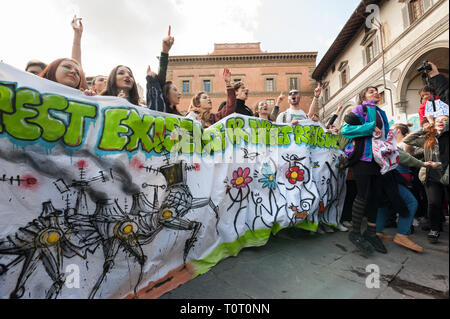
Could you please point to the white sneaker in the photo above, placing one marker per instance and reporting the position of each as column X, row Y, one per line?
column 342, row 228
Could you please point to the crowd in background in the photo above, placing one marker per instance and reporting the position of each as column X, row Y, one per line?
column 413, row 194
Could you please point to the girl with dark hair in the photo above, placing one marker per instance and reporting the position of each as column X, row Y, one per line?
column 200, row 108
column 172, row 98
column 435, row 144
column 261, row 110
column 121, row 83
column 66, row 71
column 367, row 121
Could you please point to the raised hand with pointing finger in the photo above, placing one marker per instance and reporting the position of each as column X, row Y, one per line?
column 156, row 82
column 77, row 27
column 168, row 42
column 281, row 98
column 317, row 91
column 227, row 76
column 151, row 73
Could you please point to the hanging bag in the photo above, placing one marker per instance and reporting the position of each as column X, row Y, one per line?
column 385, row 152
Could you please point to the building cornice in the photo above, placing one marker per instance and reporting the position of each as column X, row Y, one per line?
column 258, row 94
column 245, row 58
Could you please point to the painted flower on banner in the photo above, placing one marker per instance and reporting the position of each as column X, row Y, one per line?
column 269, row 179
column 295, row 174
column 241, row 178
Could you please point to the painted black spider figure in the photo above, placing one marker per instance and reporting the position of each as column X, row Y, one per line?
column 117, row 230
column 46, row 239
column 114, row 229
column 179, row 201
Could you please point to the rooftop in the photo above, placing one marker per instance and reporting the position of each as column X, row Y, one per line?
column 356, row 21
column 237, row 48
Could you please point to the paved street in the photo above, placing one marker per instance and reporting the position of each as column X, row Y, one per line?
column 297, row 265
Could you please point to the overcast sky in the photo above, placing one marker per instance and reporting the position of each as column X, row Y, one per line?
column 129, row 32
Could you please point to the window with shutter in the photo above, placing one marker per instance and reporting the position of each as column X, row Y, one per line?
column 370, row 52
column 207, row 86
column 270, row 85
column 416, row 7
column 343, row 78
column 186, row 85
column 293, row 84
column 382, row 99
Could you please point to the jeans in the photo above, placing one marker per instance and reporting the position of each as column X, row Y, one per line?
column 404, row 223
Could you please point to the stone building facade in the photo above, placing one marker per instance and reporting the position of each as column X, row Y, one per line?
column 265, row 74
column 411, row 32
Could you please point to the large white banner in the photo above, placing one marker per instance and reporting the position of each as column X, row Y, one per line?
column 100, row 198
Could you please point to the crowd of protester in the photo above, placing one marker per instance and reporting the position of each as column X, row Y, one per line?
column 417, row 190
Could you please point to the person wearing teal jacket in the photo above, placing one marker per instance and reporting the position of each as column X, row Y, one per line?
column 365, row 121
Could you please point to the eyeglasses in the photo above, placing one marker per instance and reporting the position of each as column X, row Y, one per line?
column 293, row 93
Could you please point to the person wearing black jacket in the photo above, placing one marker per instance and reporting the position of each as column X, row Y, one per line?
column 439, row 83
column 242, row 96
column 155, row 82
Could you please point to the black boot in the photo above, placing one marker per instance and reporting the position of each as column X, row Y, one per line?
column 360, row 243
column 376, row 242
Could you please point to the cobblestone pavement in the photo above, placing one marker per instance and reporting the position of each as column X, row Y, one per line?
column 295, row 264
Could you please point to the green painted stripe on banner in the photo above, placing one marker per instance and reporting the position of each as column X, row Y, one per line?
column 254, row 238
column 307, row 225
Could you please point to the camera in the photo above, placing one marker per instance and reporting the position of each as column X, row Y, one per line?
column 424, row 67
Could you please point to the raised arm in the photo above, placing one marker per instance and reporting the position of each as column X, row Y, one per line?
column 167, row 44
column 416, row 138
column 77, row 27
column 276, row 109
column 230, row 107
column 335, row 116
column 155, row 82
column 314, row 109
